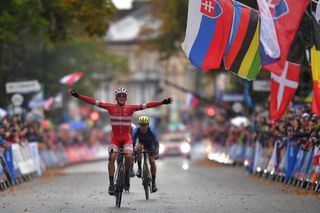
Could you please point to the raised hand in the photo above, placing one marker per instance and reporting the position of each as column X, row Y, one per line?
column 167, row 100
column 73, row 93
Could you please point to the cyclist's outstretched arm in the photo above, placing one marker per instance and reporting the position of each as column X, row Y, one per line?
column 154, row 104
column 88, row 99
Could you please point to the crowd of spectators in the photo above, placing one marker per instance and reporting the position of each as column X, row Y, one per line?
column 299, row 124
column 15, row 130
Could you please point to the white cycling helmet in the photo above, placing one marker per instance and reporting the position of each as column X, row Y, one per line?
column 120, row 90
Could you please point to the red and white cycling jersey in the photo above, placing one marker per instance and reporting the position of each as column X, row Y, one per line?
column 120, row 118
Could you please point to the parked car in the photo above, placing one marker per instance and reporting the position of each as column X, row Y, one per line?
column 175, row 144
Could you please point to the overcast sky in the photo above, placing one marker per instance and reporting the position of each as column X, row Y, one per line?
column 122, row 4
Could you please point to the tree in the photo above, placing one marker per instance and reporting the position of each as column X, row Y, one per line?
column 46, row 39
column 49, row 63
column 48, row 22
column 174, row 19
column 52, row 20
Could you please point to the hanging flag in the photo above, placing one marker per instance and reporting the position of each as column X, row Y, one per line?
column 48, row 103
column 242, row 54
column 287, row 15
column 192, row 101
column 318, row 11
column 315, row 65
column 37, row 100
column 71, row 78
column 283, row 88
column 268, row 37
column 208, row 29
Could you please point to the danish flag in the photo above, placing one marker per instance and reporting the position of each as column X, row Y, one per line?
column 283, row 88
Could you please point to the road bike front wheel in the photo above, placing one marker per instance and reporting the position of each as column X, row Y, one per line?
column 118, row 198
column 147, row 190
column 119, row 188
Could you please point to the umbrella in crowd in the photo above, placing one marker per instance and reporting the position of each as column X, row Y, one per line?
column 240, row 121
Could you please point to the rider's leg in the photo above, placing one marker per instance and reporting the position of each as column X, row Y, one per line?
column 128, row 149
column 111, row 167
column 153, row 166
column 113, row 150
column 139, row 148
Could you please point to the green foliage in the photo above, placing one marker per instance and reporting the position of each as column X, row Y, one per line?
column 174, row 19
column 47, row 39
column 29, row 61
column 53, row 19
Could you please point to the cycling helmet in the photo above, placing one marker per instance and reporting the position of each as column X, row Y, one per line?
column 143, row 120
column 120, row 90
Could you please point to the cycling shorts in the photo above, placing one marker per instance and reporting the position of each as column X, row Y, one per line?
column 126, row 143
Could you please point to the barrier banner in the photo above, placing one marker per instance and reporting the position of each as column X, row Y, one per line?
column 292, row 151
column 9, row 164
column 4, row 173
column 23, row 159
column 274, row 159
column 257, row 156
column 34, row 151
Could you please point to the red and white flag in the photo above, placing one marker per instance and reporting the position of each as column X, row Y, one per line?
column 287, row 15
column 48, row 103
column 71, row 78
column 283, row 88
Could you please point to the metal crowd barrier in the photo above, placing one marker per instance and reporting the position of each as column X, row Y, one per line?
column 288, row 163
column 23, row 162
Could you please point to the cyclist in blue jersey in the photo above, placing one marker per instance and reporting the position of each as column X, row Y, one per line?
column 147, row 140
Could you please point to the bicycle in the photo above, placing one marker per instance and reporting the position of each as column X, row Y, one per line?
column 146, row 174
column 120, row 177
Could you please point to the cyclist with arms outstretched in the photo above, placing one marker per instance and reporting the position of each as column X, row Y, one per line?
column 147, row 140
column 120, row 119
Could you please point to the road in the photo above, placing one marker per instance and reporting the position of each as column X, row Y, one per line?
column 183, row 187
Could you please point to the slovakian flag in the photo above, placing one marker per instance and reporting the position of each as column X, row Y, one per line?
column 242, row 53
column 315, row 65
column 283, row 88
column 287, row 15
column 71, row 78
column 208, row 29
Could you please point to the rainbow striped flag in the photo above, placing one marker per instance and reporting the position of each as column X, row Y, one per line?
column 242, row 55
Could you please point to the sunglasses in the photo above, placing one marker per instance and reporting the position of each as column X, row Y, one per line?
column 121, row 95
